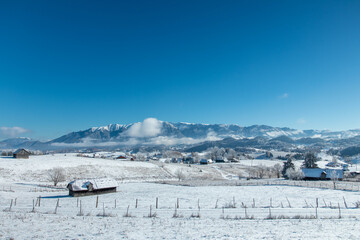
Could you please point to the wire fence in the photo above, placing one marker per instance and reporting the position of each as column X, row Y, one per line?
column 222, row 213
column 110, row 207
column 338, row 185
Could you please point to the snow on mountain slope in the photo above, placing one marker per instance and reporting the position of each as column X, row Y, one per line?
column 155, row 132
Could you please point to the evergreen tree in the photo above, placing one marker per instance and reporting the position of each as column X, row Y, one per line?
column 310, row 161
column 287, row 165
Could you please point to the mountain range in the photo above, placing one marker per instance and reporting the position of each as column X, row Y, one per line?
column 152, row 132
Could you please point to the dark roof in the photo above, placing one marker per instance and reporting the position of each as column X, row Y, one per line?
column 21, row 149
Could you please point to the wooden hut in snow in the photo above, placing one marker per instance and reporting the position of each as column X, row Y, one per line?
column 85, row 187
column 21, row 153
column 323, row 173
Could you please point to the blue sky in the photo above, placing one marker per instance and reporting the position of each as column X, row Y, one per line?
column 71, row 65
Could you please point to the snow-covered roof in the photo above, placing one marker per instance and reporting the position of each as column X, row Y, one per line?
column 316, row 172
column 98, row 183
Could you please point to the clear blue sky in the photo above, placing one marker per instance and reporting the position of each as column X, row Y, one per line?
column 71, row 65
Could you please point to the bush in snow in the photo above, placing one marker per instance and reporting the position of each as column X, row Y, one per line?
column 293, row 174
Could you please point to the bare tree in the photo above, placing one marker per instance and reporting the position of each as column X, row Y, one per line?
column 277, row 169
column 270, row 172
column 335, row 160
column 230, row 154
column 140, row 157
column 172, row 154
column 56, row 175
column 179, row 175
column 251, row 172
column 216, row 153
column 334, row 176
column 293, row 174
column 196, row 157
column 261, row 171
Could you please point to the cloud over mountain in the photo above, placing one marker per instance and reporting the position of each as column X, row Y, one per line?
column 12, row 131
column 150, row 127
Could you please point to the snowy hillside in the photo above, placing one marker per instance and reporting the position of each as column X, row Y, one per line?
column 33, row 209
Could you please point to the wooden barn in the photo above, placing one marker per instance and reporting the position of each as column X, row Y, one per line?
column 323, row 173
column 86, row 187
column 21, row 153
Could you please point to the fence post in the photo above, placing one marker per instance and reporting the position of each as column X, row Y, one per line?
column 56, row 206
column 288, row 202
column 345, row 202
column 270, row 217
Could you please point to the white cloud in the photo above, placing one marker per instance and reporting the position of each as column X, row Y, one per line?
column 12, row 131
column 285, row 95
column 168, row 141
column 150, row 127
column 211, row 136
column 159, row 140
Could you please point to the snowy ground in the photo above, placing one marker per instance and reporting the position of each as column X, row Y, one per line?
column 24, row 180
column 215, row 221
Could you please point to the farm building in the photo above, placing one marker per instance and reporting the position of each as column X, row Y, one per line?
column 189, row 160
column 21, row 153
column 205, row 161
column 220, row 160
column 323, row 173
column 85, row 187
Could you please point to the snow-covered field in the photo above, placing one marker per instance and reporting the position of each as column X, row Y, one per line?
column 214, row 222
column 22, row 182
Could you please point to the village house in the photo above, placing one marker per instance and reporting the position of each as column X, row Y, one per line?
column 86, row 187
column 21, row 153
column 205, row 161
